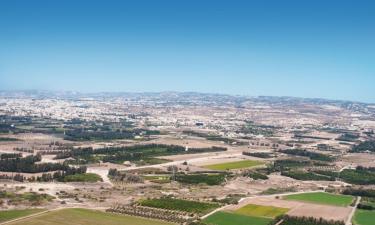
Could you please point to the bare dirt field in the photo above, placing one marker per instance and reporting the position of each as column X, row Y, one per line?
column 358, row 159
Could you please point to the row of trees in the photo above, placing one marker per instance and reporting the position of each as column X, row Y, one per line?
column 292, row 220
column 116, row 175
column 28, row 165
column 154, row 213
column 255, row 175
column 10, row 155
column 309, row 154
column 360, row 192
column 364, row 146
column 45, row 177
column 361, row 176
column 303, row 175
column 133, row 153
column 264, row 155
column 84, row 135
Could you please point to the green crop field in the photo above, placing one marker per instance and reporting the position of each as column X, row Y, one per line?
column 322, row 198
column 224, row 218
column 180, row 205
column 86, row 177
column 234, row 165
column 14, row 214
column 86, row 217
column 364, row 217
column 261, row 211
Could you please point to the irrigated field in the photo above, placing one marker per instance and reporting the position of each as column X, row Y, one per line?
column 86, row 217
column 224, row 218
column 364, row 217
column 322, row 198
column 234, row 165
column 14, row 214
column 261, row 211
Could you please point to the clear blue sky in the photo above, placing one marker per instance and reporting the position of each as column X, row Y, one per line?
column 304, row 48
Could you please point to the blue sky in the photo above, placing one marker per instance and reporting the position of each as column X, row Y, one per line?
column 319, row 48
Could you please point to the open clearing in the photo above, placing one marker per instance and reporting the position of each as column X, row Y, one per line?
column 14, row 214
column 224, row 218
column 322, row 198
column 364, row 217
column 86, row 217
column 234, row 165
column 261, row 211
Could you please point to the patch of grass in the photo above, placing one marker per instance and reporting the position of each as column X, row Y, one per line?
column 234, row 165
column 86, row 217
column 224, row 218
column 31, row 198
column 180, row 205
column 85, row 177
column 273, row 191
column 322, row 198
column 151, row 161
column 14, row 214
column 364, row 217
column 261, row 211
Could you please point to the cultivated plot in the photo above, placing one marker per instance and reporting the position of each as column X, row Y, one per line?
column 322, row 198
column 234, row 165
column 86, row 217
column 225, row 218
column 364, row 217
column 261, row 211
column 14, row 214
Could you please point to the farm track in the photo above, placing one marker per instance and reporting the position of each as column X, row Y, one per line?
column 350, row 217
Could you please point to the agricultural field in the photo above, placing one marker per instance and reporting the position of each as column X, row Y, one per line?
column 224, row 218
column 364, row 217
column 234, row 165
column 14, row 214
column 261, row 211
column 209, row 179
column 86, row 217
column 322, row 198
column 180, row 205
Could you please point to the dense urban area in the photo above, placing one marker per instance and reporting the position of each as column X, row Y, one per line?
column 185, row 158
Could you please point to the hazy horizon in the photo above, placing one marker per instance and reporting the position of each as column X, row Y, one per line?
column 313, row 49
